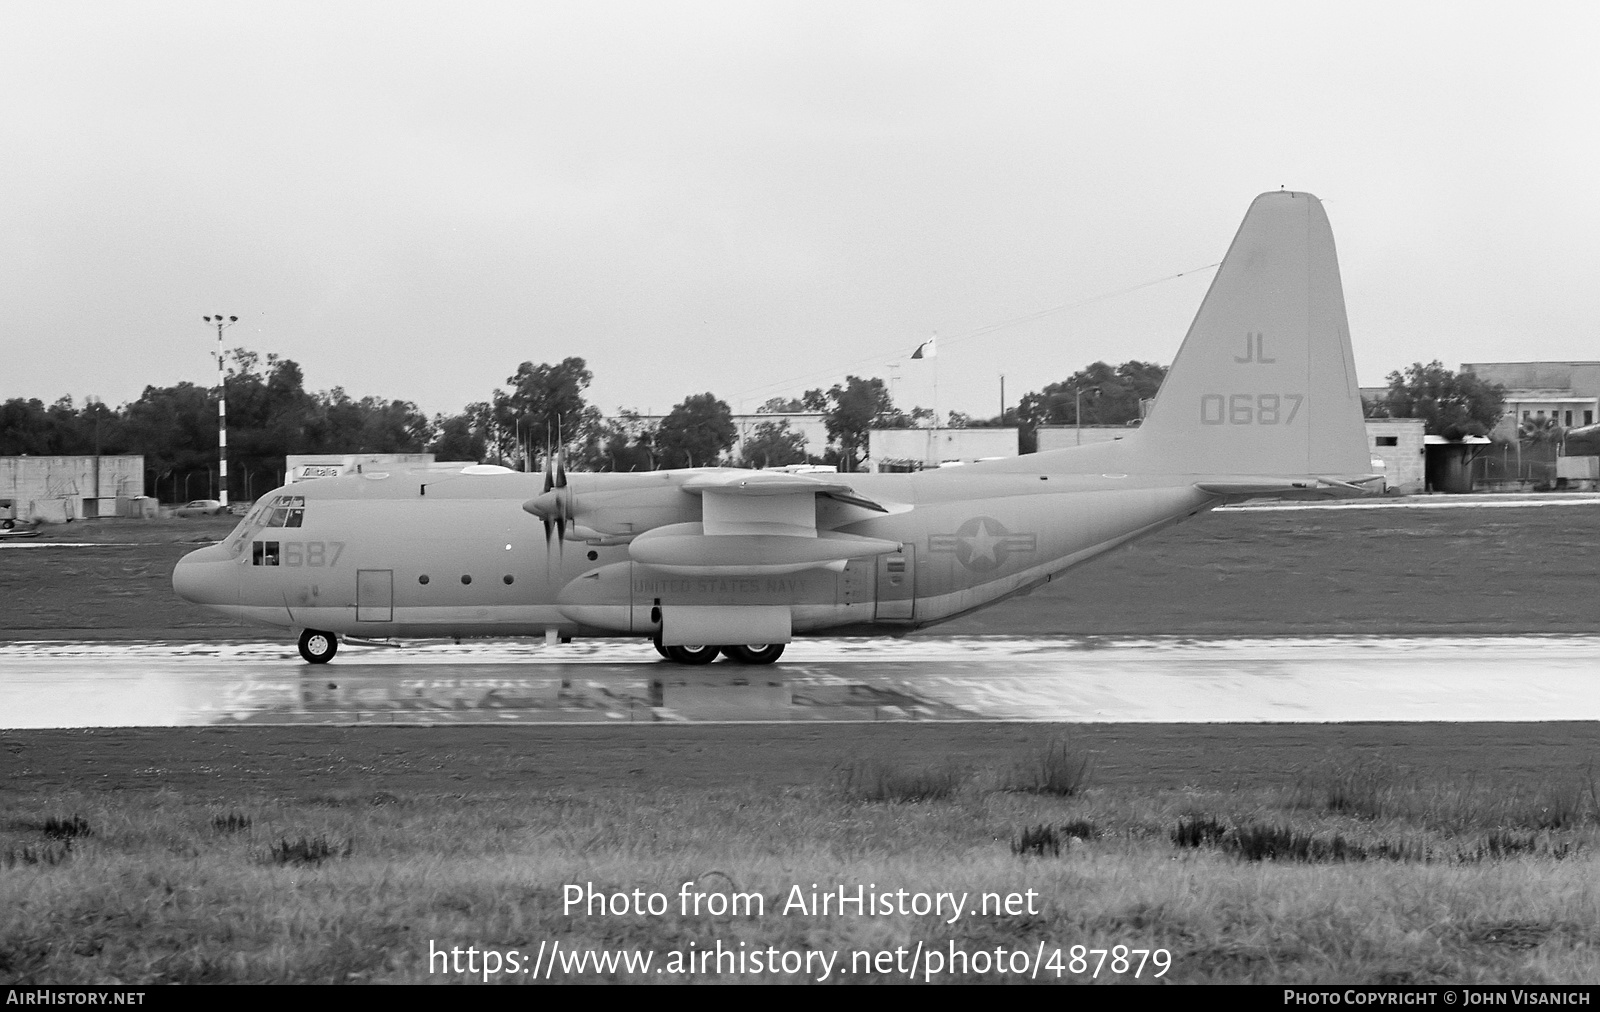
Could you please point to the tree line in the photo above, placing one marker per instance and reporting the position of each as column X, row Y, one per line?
column 543, row 406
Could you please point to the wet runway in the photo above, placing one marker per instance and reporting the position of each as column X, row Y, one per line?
column 1531, row 678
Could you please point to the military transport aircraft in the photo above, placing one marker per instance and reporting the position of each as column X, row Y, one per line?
column 1261, row 400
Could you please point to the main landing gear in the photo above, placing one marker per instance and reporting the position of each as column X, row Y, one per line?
column 318, row 647
column 753, row 653
column 743, row 653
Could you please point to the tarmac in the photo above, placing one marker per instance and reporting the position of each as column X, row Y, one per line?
column 68, row 684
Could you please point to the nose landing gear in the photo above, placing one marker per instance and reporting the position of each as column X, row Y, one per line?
column 318, row 647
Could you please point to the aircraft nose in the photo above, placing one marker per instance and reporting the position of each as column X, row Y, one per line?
column 205, row 576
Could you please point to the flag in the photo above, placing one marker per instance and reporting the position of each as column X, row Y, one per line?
column 927, row 349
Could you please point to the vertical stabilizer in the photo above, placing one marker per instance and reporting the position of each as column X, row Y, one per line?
column 1265, row 382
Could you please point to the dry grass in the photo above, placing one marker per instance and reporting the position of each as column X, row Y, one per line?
column 1376, row 789
column 1056, row 767
column 877, row 780
column 170, row 888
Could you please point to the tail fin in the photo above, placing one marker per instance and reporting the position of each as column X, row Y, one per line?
column 1265, row 382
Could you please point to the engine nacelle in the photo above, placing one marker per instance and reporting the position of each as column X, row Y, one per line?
column 686, row 550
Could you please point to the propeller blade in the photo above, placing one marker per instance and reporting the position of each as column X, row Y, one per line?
column 561, row 468
column 549, row 481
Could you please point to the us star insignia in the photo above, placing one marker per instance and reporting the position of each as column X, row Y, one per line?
column 982, row 543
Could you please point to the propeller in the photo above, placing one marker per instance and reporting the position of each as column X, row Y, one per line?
column 555, row 506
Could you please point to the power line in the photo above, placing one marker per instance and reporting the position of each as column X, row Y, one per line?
column 981, row 331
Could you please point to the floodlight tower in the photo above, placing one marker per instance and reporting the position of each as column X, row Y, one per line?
column 221, row 323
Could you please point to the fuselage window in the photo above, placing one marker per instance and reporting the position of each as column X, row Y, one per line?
column 509, row 579
column 466, row 579
column 264, row 553
column 423, row 579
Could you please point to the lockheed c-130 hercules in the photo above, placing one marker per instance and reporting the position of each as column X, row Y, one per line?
column 1261, row 401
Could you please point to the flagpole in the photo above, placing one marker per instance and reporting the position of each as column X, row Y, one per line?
column 932, row 346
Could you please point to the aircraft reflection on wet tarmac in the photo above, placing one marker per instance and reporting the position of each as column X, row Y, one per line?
column 438, row 697
column 65, row 684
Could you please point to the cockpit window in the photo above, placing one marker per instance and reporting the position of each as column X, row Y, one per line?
column 287, row 511
column 274, row 511
column 284, row 517
column 235, row 540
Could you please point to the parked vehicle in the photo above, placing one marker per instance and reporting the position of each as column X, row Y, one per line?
column 10, row 526
column 201, row 508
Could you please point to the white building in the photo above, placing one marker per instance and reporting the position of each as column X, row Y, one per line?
column 1400, row 444
column 305, row 466
column 914, row 449
column 1568, row 392
column 73, row 488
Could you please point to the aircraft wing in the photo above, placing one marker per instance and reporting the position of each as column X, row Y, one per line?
column 766, row 483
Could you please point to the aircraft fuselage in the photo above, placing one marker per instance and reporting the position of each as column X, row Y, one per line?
column 411, row 555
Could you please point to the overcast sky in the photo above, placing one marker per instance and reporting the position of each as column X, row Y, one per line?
column 756, row 198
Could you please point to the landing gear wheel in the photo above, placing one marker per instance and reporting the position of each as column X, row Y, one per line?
column 318, row 647
column 753, row 653
column 695, row 654
column 7, row 524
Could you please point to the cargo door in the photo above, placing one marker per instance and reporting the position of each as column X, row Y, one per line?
column 374, row 595
column 897, row 586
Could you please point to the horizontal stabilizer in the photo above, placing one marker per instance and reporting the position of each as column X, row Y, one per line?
column 1289, row 487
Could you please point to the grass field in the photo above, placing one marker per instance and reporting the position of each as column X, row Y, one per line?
column 1252, row 854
